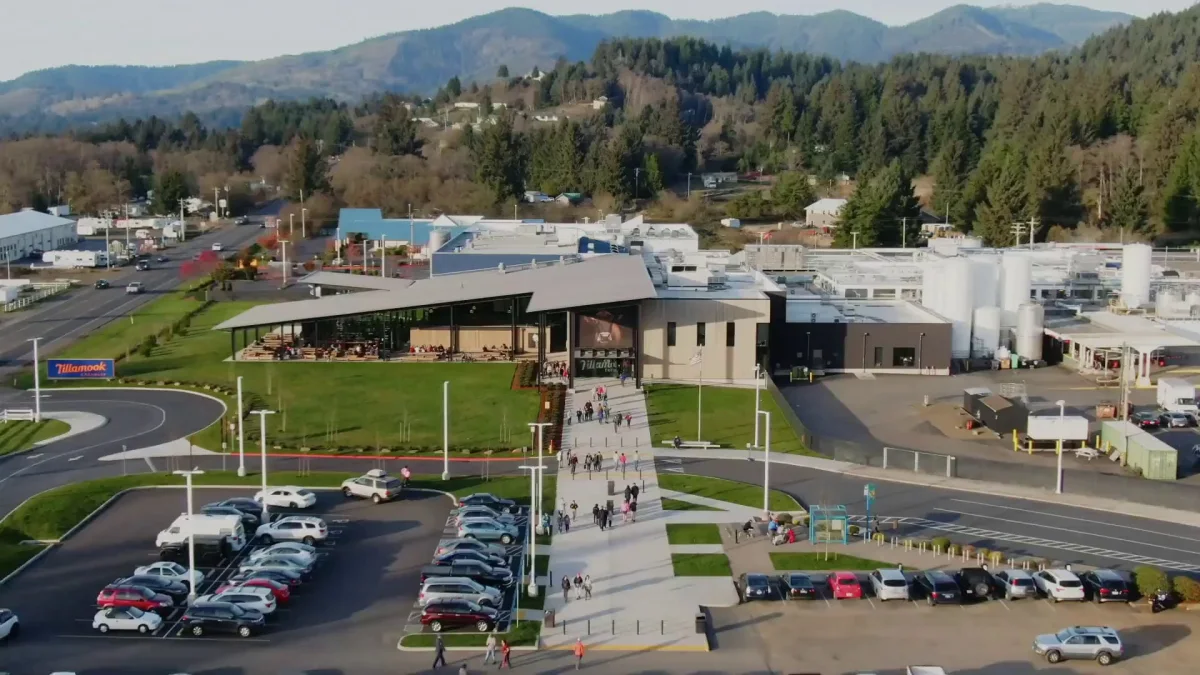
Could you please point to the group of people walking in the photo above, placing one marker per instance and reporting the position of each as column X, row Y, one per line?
column 581, row 584
column 595, row 462
column 489, row 656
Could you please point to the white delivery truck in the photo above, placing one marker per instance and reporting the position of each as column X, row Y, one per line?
column 1177, row 395
column 203, row 525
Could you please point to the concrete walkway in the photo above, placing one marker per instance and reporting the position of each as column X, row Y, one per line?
column 80, row 423
column 637, row 602
column 181, row 447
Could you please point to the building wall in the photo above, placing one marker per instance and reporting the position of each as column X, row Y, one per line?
column 21, row 245
column 841, row 346
column 820, row 220
column 661, row 361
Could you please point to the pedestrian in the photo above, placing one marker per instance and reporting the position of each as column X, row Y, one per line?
column 566, row 587
column 616, row 460
column 579, row 650
column 617, row 424
column 505, row 654
column 635, row 453
column 566, row 523
column 573, row 463
column 579, row 416
column 595, row 514
column 558, row 522
column 628, row 492
column 604, row 518
column 588, row 465
column 490, row 655
column 462, row 670
column 600, row 416
column 578, row 586
column 439, row 653
column 625, row 512
column 628, row 420
column 574, row 510
column 633, row 490
column 622, row 378
column 633, row 510
column 587, row 587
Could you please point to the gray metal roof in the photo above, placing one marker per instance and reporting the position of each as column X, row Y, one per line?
column 600, row 280
column 358, row 281
column 25, row 222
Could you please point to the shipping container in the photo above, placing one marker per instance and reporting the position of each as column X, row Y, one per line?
column 1000, row 414
column 1155, row 459
column 74, row 259
column 1056, row 428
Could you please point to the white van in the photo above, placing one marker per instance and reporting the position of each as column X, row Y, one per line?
column 216, row 247
column 203, row 525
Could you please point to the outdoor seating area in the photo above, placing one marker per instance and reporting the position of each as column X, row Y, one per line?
column 286, row 347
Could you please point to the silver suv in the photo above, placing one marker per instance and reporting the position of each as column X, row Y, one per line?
column 458, row 588
column 376, row 485
column 1080, row 642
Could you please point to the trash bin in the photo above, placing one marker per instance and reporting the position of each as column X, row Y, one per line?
column 549, row 618
column 610, row 508
column 611, row 487
column 701, row 623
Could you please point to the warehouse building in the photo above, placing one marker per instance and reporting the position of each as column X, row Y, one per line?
column 29, row 233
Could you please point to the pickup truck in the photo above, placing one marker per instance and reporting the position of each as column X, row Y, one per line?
column 134, row 288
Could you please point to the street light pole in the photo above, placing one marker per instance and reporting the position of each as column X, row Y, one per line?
column 187, row 478
column 303, row 225
column 532, row 589
column 283, row 247
column 241, row 431
column 767, row 466
column 446, row 430
column 37, row 382
column 757, row 405
column 536, row 506
column 262, row 431
column 1062, row 414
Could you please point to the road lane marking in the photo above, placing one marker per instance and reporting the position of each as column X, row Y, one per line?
column 34, row 456
column 1082, row 520
column 75, row 458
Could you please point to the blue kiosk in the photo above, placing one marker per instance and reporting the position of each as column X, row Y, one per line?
column 828, row 524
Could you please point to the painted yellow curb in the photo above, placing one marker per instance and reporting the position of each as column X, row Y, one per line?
column 631, row 648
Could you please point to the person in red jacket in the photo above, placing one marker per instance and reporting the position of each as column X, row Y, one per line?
column 505, row 655
column 579, row 650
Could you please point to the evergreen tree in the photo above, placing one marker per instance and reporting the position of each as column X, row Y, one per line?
column 498, row 160
column 1127, row 210
column 170, row 187
column 1054, row 195
column 874, row 213
column 1005, row 200
column 950, row 179
column 485, row 103
column 306, row 172
column 395, row 132
column 454, row 87
column 791, row 194
column 502, row 72
column 654, row 175
column 1180, row 209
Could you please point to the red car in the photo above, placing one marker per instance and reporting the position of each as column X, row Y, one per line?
column 845, row 586
column 133, row 596
column 455, row 613
column 281, row 592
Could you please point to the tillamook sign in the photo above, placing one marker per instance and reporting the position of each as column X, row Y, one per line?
column 81, row 369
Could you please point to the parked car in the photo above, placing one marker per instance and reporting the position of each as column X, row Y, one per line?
column 1174, row 420
column 755, row 587
column 456, row 589
column 173, row 571
column 456, row 557
column 120, row 595
column 247, row 597
column 1145, row 420
column 483, row 574
column 301, row 552
column 162, row 259
column 280, row 590
column 1015, row 584
column 488, row 530
column 796, row 586
column 304, row 564
column 172, row 588
column 217, row 246
column 466, row 513
column 289, row 497
column 1105, row 586
column 375, row 485
column 288, row 579
column 102, row 283
column 485, row 499
column 126, row 618
column 470, row 545
column 889, row 584
column 249, row 520
column 1059, row 585
column 938, row 588
column 845, row 586
column 1080, row 642
column 10, row 625
column 976, row 583
column 276, row 565
column 222, row 618
column 456, row 613
column 308, row 531
column 244, row 504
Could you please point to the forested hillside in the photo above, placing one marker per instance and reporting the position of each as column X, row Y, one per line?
column 1105, row 135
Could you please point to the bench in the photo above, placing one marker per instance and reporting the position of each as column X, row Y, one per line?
column 691, row 445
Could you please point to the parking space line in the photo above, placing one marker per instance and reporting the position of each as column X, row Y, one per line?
column 1004, row 604
column 870, row 601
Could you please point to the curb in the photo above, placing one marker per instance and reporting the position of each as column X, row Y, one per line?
column 402, row 648
column 48, row 441
column 375, row 457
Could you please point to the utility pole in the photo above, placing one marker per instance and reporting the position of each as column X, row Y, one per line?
column 412, row 236
column 1018, row 230
column 182, row 224
column 904, row 232
column 689, row 187
column 855, row 240
column 1033, row 224
column 637, row 176
column 303, row 226
column 283, row 246
column 217, row 201
column 108, row 223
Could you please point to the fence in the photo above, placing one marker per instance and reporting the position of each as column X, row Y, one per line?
column 1175, row 495
column 17, row 415
column 41, row 292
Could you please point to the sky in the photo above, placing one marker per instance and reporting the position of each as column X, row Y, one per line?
column 47, row 33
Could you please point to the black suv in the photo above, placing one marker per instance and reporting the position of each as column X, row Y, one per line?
column 485, row 499
column 222, row 617
column 976, row 583
column 243, row 504
column 755, row 587
column 1105, row 586
column 176, row 590
column 938, row 587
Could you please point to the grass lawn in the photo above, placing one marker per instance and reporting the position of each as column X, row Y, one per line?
column 20, row 435
column 669, row 504
column 806, row 562
column 543, row 565
column 116, row 336
column 523, row 634
column 700, row 533
column 526, row 602
column 336, row 406
column 701, row 565
column 728, row 491
column 728, row 417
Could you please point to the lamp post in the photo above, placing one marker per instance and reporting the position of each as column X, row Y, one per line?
column 303, row 225
column 283, row 247
column 262, row 430
column 241, row 431
column 187, row 478
column 536, row 507
column 446, row 430
column 532, row 589
column 1062, row 415
column 37, row 382
column 766, row 466
column 757, row 394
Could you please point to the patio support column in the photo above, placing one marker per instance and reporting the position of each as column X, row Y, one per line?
column 453, row 346
column 232, row 346
column 513, row 342
column 637, row 346
column 572, row 332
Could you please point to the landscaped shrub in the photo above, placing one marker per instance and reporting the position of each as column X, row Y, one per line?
column 941, row 542
column 784, row 518
column 1149, row 580
column 855, row 531
column 1187, row 588
column 148, row 345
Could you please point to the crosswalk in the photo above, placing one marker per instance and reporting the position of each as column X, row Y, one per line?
column 980, row 533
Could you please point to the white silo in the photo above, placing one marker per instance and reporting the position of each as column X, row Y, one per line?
column 437, row 239
column 987, row 331
column 931, row 286
column 1135, row 275
column 958, row 294
column 1017, row 273
column 1031, row 326
column 1169, row 302
column 985, row 272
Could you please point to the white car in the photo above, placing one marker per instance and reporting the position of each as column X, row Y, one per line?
column 376, row 485
column 9, row 624
column 301, row 552
column 173, row 571
column 302, row 563
column 258, row 598
column 286, row 497
column 469, row 545
column 217, row 246
column 126, row 618
column 468, row 512
column 273, row 564
column 1059, row 585
column 889, row 584
column 305, row 530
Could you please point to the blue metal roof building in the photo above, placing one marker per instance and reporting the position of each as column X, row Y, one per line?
column 371, row 224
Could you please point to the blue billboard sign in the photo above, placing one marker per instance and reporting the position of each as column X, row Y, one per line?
column 81, row 369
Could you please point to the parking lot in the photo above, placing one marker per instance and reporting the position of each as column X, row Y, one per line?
column 366, row 580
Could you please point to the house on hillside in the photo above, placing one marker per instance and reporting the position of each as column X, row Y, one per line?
column 823, row 214
column 600, row 103
column 466, row 105
column 569, row 198
column 535, row 197
column 546, row 118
